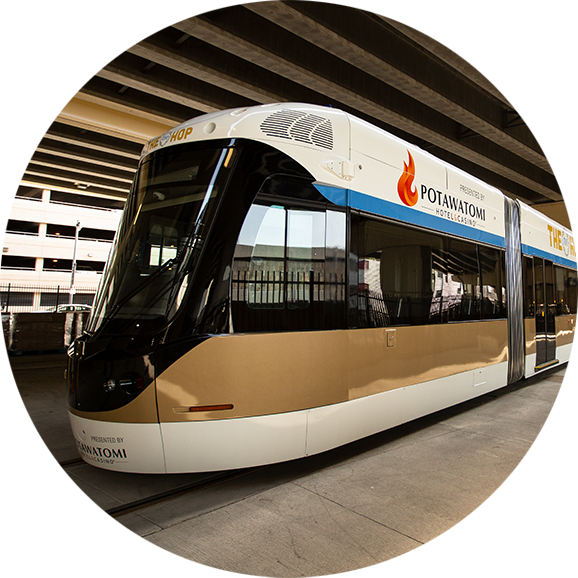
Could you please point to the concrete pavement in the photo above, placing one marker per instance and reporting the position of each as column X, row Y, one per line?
column 349, row 508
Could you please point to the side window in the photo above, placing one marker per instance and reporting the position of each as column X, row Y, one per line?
column 461, row 294
column 289, row 270
column 571, row 291
column 565, row 290
column 412, row 277
column 493, row 280
column 528, row 272
column 305, row 262
column 259, row 266
column 560, row 277
column 401, row 274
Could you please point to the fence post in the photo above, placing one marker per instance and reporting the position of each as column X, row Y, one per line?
column 57, row 298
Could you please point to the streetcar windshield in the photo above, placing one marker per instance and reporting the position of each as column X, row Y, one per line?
column 162, row 232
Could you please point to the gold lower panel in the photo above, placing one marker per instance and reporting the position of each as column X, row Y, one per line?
column 530, row 333
column 262, row 374
column 565, row 327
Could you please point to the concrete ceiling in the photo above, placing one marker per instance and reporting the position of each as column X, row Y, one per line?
column 325, row 54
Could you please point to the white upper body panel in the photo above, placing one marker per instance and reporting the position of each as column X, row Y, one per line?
column 543, row 237
column 312, row 135
column 437, row 195
column 358, row 164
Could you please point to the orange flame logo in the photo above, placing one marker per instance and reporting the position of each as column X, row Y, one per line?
column 405, row 182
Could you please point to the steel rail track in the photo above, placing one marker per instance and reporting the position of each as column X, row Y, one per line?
column 97, row 517
column 39, row 470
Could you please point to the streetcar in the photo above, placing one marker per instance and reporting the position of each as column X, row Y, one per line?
column 288, row 278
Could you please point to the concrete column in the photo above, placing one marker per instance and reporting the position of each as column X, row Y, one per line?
column 36, row 301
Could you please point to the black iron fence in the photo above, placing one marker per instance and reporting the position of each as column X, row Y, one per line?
column 286, row 300
column 20, row 298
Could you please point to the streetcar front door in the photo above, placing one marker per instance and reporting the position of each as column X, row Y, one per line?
column 545, row 312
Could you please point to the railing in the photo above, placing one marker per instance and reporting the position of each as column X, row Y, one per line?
column 85, row 206
column 80, row 238
column 68, row 237
column 272, row 289
column 284, row 300
column 19, row 298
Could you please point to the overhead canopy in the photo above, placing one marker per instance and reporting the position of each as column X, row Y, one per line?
column 327, row 54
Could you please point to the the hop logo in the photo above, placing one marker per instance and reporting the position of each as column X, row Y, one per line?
column 566, row 243
column 406, row 194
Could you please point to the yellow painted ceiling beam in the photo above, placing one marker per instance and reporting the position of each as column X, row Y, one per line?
column 556, row 211
column 92, row 113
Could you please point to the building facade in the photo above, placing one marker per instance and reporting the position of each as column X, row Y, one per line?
column 40, row 248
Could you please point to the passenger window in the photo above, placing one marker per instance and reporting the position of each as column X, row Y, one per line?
column 493, row 283
column 289, row 270
column 571, row 293
column 559, row 286
column 401, row 276
column 462, row 297
column 260, row 258
column 413, row 277
column 528, row 272
column 305, row 258
column 565, row 291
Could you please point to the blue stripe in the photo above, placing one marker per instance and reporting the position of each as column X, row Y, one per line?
column 335, row 195
column 356, row 200
column 529, row 250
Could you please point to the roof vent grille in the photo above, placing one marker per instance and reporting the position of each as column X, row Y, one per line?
column 301, row 127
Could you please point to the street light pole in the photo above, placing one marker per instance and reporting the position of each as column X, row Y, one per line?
column 72, row 290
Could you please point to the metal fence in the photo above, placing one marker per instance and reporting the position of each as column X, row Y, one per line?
column 286, row 300
column 18, row 298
